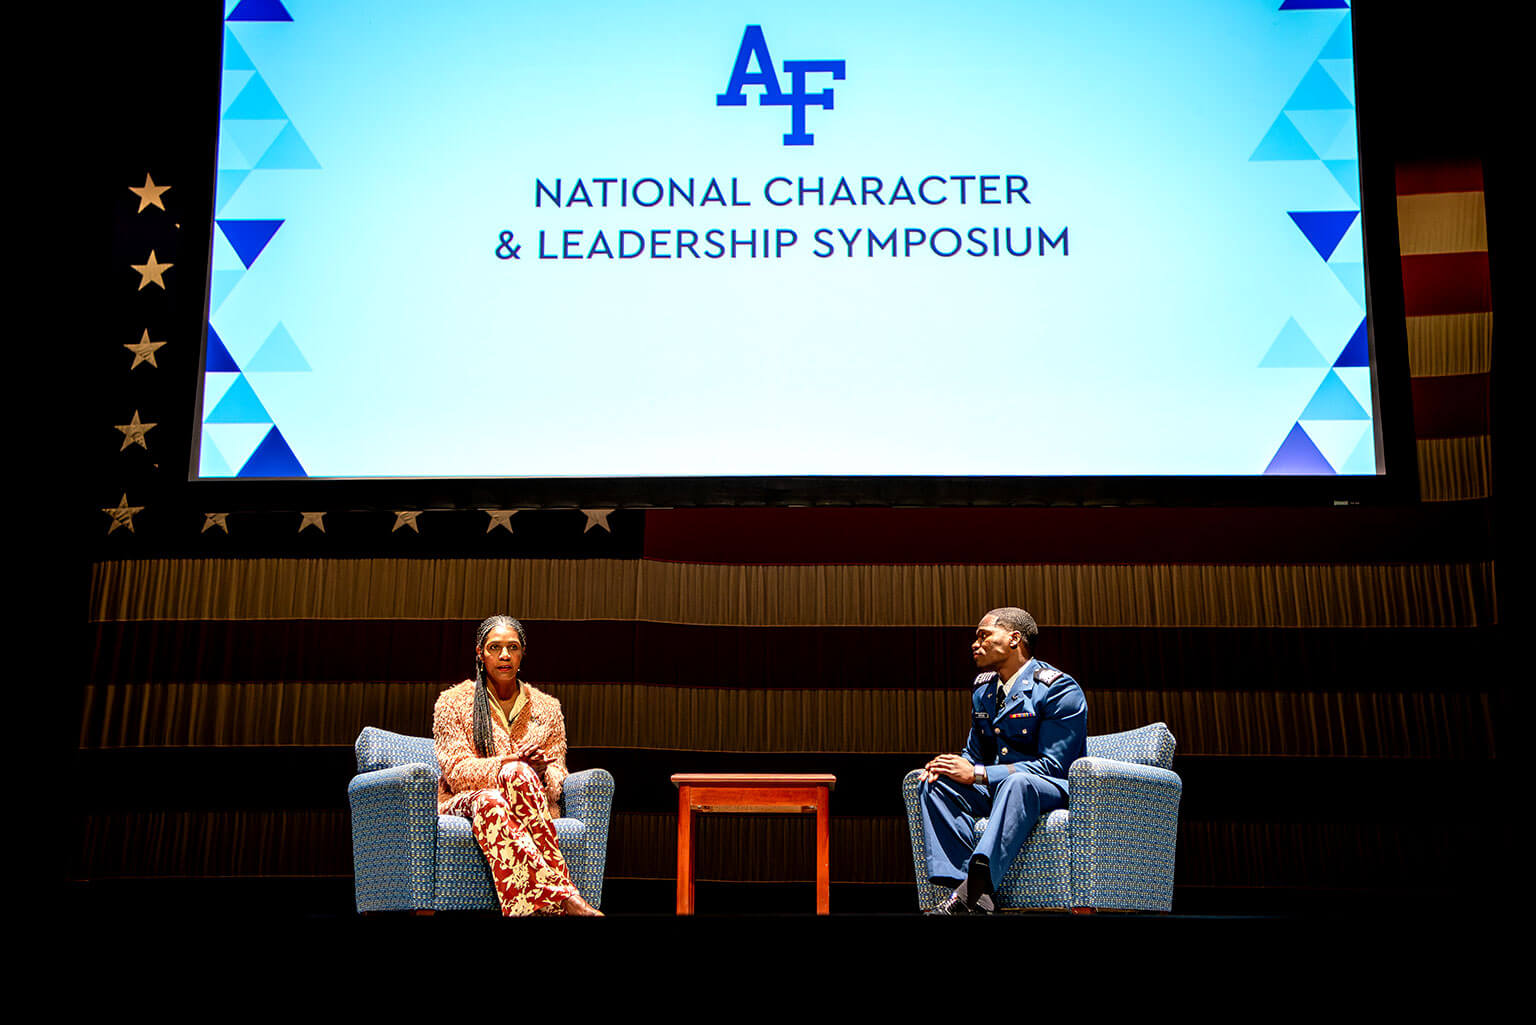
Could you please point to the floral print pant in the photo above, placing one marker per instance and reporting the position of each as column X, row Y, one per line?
column 514, row 829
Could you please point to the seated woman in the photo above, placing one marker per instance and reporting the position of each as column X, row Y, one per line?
column 501, row 747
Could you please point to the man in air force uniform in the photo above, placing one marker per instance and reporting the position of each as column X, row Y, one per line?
column 1029, row 722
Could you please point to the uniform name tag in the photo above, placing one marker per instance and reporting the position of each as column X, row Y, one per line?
column 980, row 715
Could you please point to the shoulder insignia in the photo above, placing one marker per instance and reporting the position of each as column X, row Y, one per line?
column 1048, row 676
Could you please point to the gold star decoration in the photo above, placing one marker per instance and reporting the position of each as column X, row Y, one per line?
column 143, row 350
column 133, row 433
column 220, row 520
column 597, row 518
column 149, row 194
column 122, row 514
column 151, row 271
column 500, row 518
column 312, row 519
column 406, row 518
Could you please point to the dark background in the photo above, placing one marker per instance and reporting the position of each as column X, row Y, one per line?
column 262, row 827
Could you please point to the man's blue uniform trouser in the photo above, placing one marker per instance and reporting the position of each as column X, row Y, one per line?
column 1011, row 807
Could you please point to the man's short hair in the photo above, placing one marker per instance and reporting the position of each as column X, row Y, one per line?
column 1012, row 619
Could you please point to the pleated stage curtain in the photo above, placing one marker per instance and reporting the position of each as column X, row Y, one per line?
column 1327, row 672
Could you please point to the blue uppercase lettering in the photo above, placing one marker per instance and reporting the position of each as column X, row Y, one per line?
column 823, row 240
column 600, row 247
column 625, row 236
column 849, row 240
column 876, row 242
column 962, row 179
column 754, row 50
column 988, row 184
column 712, row 194
column 570, row 240
column 866, row 192
column 579, row 195
column 922, row 190
column 753, row 45
column 1046, row 240
column 798, row 99
column 902, row 193
column 1016, row 184
column 842, row 194
column 933, row 242
column 635, row 192
column 674, row 190
column 768, row 195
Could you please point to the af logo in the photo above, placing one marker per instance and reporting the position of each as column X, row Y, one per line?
column 753, row 45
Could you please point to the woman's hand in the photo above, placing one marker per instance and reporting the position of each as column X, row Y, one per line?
column 527, row 751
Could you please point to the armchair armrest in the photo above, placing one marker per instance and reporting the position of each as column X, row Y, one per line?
column 394, row 837
column 1123, row 829
column 588, row 798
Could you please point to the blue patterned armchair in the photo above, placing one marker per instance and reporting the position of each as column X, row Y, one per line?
column 405, row 856
column 1111, row 848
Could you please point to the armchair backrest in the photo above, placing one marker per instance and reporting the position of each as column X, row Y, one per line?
column 1148, row 745
column 381, row 749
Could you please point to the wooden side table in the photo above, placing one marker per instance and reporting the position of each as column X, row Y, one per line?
column 745, row 793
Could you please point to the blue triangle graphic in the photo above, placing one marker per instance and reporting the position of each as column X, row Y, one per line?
column 210, row 461
column 250, row 237
column 1332, row 401
column 255, row 103
column 1341, row 45
column 259, row 10
column 1292, row 348
column 1314, row 5
column 219, row 361
column 229, row 183
column 1357, row 352
column 288, row 153
column 1283, row 142
column 1317, row 91
column 1352, row 277
column 235, row 57
column 239, row 406
column 1363, row 458
column 1342, row 71
column 1297, row 455
column 224, row 282
column 1347, row 174
column 278, row 354
column 273, row 458
column 1323, row 228
column 249, row 138
column 1320, row 127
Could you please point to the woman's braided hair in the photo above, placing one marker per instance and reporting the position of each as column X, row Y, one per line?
column 480, row 725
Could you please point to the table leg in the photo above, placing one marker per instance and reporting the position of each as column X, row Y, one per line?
column 684, row 850
column 823, row 858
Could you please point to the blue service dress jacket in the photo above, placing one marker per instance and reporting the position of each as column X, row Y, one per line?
column 1041, row 727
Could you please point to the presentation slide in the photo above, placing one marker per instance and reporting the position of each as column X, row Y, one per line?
column 491, row 238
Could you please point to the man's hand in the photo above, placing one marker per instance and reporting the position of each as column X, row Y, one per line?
column 950, row 767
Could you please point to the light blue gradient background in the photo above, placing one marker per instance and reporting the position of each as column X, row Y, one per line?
column 1134, row 122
